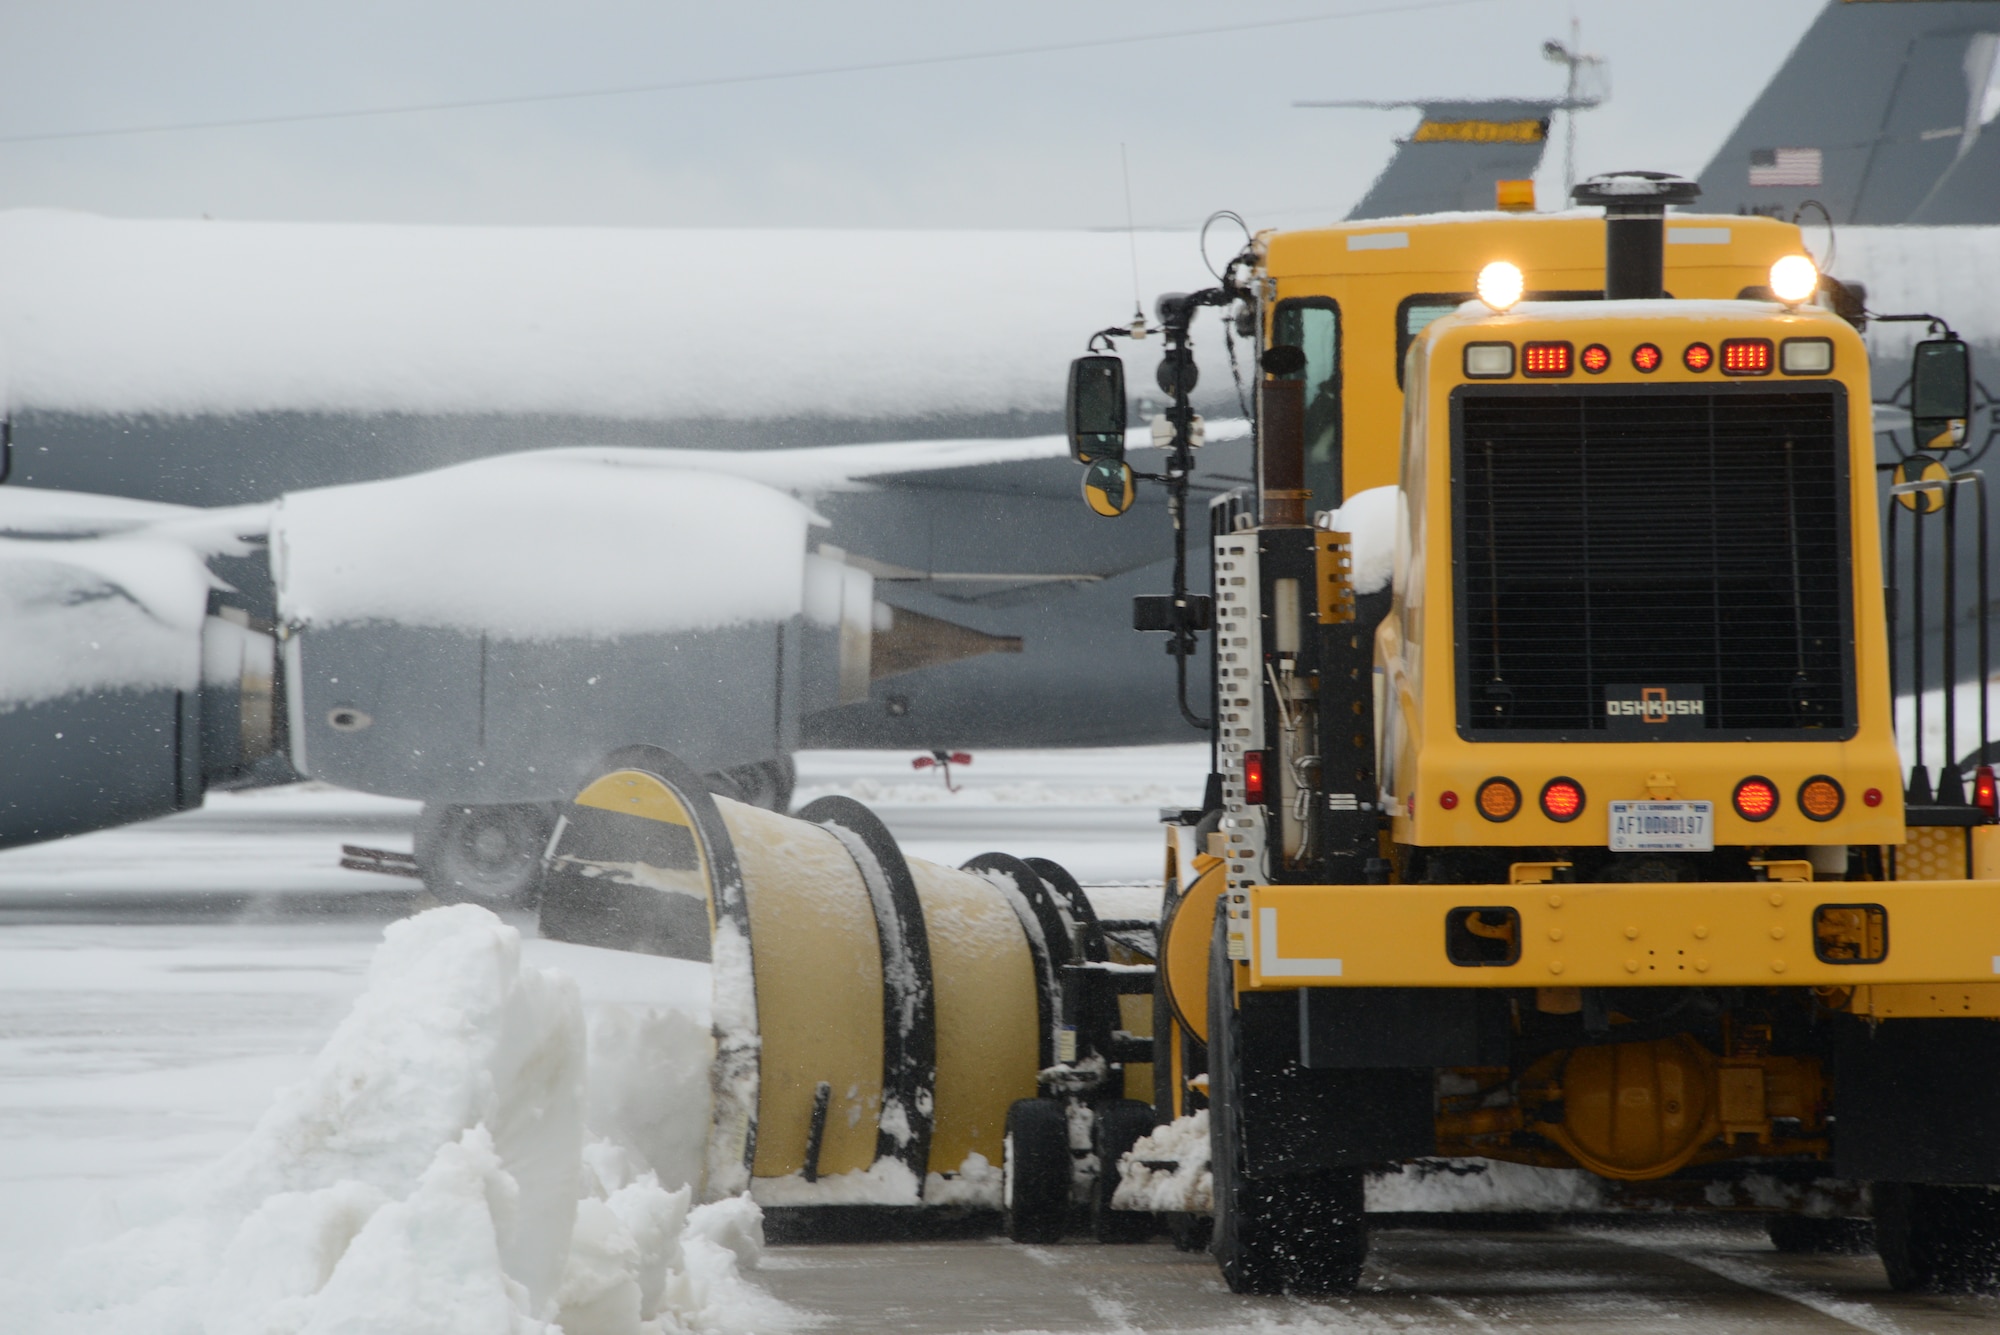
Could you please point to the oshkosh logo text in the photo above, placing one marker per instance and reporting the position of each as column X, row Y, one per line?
column 1655, row 708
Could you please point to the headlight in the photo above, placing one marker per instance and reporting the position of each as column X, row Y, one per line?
column 1794, row 279
column 1500, row 285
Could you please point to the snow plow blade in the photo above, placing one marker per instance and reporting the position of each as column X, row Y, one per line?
column 874, row 1015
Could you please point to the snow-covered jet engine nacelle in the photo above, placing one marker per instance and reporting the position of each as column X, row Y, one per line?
column 129, row 683
column 481, row 637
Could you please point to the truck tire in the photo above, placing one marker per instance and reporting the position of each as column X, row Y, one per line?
column 1938, row 1239
column 1304, row 1233
column 1120, row 1124
column 1036, row 1171
column 487, row 855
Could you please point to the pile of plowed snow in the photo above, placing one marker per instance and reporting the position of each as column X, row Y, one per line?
column 443, row 1167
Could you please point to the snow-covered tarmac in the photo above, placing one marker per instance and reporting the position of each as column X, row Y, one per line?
column 158, row 984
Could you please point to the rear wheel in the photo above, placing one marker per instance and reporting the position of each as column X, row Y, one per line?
column 1120, row 1124
column 487, row 855
column 1938, row 1239
column 1036, row 1173
column 1304, row 1233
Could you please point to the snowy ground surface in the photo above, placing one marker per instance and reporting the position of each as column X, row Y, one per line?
column 160, row 984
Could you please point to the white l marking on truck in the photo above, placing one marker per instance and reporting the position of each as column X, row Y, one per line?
column 1271, row 962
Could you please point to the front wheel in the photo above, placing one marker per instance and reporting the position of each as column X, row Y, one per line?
column 1035, row 1171
column 1304, row 1233
column 1938, row 1239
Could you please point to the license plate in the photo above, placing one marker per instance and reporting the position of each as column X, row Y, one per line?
column 1662, row 827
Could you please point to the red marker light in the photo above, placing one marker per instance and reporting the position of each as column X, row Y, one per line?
column 1646, row 359
column 1746, row 356
column 1546, row 359
column 1596, row 359
column 1983, row 795
column 1756, row 799
column 1698, row 357
column 1562, row 799
column 1253, row 776
column 1448, row 799
column 1872, row 798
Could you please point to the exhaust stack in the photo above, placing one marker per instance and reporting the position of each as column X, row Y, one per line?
column 1281, row 453
column 1635, row 227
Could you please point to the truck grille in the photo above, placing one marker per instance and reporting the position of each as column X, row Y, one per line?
column 1612, row 540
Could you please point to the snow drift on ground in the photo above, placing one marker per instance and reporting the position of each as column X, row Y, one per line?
column 434, row 1172
column 1429, row 1185
column 1186, row 1186
column 104, row 315
column 1476, row 1185
column 544, row 544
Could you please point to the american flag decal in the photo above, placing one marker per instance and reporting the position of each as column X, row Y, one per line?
column 1784, row 166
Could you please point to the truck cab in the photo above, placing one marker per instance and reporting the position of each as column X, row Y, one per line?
column 1587, row 841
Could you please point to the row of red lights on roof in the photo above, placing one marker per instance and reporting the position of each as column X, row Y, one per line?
column 1820, row 798
column 1555, row 360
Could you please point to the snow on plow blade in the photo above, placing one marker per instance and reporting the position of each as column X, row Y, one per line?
column 874, row 1015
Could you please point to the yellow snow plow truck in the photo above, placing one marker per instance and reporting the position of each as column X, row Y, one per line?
column 1631, row 828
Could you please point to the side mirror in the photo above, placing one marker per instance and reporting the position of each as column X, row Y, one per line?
column 1941, row 391
column 1094, row 409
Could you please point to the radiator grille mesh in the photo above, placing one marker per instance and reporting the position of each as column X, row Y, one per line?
column 1608, row 541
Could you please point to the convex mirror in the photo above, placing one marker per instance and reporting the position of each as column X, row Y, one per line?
column 1940, row 392
column 1094, row 408
column 1108, row 487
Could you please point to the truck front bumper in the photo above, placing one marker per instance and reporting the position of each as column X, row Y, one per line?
column 1689, row 934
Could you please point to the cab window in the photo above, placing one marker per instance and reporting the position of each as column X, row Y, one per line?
column 1313, row 324
column 1415, row 313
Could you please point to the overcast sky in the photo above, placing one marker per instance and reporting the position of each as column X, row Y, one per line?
column 1027, row 140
